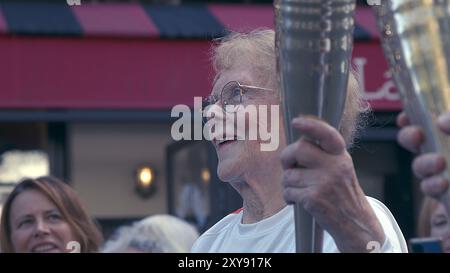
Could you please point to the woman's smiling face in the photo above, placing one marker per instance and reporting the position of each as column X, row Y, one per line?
column 37, row 225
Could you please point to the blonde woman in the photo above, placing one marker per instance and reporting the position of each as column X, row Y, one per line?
column 45, row 215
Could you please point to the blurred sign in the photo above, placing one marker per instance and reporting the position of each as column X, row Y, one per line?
column 375, row 77
column 16, row 165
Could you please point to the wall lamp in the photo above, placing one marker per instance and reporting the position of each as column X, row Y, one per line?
column 145, row 180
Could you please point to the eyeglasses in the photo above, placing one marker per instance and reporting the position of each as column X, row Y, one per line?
column 231, row 95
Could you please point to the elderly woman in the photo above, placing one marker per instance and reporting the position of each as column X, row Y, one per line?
column 44, row 215
column 318, row 172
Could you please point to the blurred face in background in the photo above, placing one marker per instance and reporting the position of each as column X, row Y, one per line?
column 37, row 225
column 440, row 226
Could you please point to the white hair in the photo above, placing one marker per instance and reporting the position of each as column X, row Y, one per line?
column 256, row 49
column 158, row 233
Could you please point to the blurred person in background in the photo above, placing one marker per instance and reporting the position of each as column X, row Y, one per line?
column 434, row 222
column 430, row 169
column 154, row 234
column 45, row 215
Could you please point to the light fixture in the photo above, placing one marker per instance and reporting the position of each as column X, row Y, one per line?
column 206, row 175
column 145, row 180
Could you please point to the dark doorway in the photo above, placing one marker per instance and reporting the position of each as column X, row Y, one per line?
column 195, row 193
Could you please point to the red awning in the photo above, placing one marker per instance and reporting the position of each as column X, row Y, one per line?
column 115, row 19
column 101, row 72
column 243, row 17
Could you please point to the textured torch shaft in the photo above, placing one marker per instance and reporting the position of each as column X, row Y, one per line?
column 314, row 40
column 416, row 42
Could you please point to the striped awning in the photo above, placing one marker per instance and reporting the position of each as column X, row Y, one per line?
column 155, row 56
column 146, row 20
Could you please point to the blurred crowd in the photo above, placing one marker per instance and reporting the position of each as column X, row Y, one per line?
column 45, row 215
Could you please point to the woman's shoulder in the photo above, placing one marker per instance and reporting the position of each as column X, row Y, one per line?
column 225, row 223
column 217, row 231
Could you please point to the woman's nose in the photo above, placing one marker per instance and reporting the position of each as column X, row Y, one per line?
column 216, row 111
column 214, row 117
column 41, row 228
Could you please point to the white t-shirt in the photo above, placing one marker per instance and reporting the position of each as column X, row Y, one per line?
column 277, row 234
